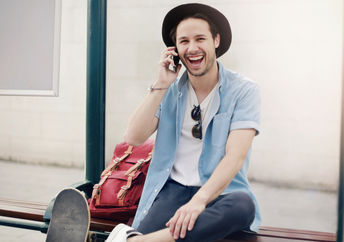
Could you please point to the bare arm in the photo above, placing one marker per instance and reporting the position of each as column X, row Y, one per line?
column 143, row 122
column 238, row 144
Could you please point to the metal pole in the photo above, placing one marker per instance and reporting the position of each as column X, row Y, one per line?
column 340, row 228
column 20, row 223
column 96, row 80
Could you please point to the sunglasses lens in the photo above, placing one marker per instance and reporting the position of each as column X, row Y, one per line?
column 196, row 113
column 197, row 131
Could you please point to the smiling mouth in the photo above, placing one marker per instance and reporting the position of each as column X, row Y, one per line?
column 195, row 61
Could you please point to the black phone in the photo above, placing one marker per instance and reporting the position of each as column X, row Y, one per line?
column 176, row 60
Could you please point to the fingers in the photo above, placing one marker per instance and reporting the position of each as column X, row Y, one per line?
column 181, row 222
column 166, row 62
column 169, row 51
column 178, row 226
column 166, row 57
column 172, row 222
column 192, row 221
column 185, row 224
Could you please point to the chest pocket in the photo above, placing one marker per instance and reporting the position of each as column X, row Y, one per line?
column 220, row 129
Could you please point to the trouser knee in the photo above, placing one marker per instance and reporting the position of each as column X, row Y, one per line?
column 243, row 207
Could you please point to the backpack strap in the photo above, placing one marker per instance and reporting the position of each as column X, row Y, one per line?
column 107, row 172
column 131, row 172
column 117, row 160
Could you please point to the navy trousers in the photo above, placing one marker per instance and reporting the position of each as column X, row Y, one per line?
column 227, row 214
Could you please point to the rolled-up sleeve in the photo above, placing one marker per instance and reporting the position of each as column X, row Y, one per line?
column 246, row 114
column 157, row 114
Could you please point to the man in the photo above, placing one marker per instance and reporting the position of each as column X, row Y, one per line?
column 196, row 188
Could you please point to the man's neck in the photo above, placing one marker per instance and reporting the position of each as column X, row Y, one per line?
column 204, row 84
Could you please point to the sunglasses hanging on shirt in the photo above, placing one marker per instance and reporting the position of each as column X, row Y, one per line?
column 197, row 128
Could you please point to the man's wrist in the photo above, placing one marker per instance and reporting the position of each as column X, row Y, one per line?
column 154, row 87
column 201, row 197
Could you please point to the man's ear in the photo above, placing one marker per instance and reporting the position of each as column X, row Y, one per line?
column 217, row 41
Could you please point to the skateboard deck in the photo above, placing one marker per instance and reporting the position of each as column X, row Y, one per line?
column 70, row 220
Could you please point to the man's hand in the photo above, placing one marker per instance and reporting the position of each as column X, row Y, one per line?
column 166, row 76
column 185, row 218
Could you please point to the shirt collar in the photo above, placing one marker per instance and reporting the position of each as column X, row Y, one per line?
column 182, row 81
column 221, row 75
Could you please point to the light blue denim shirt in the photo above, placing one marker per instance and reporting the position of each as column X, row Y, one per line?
column 236, row 105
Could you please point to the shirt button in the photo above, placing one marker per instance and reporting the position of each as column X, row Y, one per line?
column 145, row 211
column 167, row 170
column 156, row 190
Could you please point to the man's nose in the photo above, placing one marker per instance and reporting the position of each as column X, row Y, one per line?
column 193, row 47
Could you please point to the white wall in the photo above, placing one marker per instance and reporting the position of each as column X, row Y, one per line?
column 292, row 48
column 51, row 130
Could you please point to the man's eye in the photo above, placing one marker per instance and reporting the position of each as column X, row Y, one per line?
column 201, row 39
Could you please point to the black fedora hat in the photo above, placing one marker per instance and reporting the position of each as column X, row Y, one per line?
column 177, row 14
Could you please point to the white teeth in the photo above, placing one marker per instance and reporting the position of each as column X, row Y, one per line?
column 195, row 58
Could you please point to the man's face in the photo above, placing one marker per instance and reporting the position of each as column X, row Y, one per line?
column 196, row 46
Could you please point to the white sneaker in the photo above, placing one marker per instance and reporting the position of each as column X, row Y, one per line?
column 121, row 233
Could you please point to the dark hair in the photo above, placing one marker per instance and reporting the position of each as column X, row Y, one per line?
column 212, row 26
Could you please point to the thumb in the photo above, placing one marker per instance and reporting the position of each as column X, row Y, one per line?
column 178, row 68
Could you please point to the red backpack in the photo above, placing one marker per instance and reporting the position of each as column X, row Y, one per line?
column 118, row 192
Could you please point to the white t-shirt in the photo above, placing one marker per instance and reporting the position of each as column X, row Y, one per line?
column 185, row 168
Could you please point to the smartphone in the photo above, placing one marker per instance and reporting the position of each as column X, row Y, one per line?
column 176, row 60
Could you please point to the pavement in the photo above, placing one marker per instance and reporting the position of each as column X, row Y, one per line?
column 280, row 207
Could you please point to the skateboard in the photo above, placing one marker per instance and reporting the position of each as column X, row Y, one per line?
column 70, row 220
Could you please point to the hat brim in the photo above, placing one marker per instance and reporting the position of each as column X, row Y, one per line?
column 177, row 14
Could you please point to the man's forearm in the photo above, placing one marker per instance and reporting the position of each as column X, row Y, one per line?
column 142, row 123
column 219, row 180
column 238, row 144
